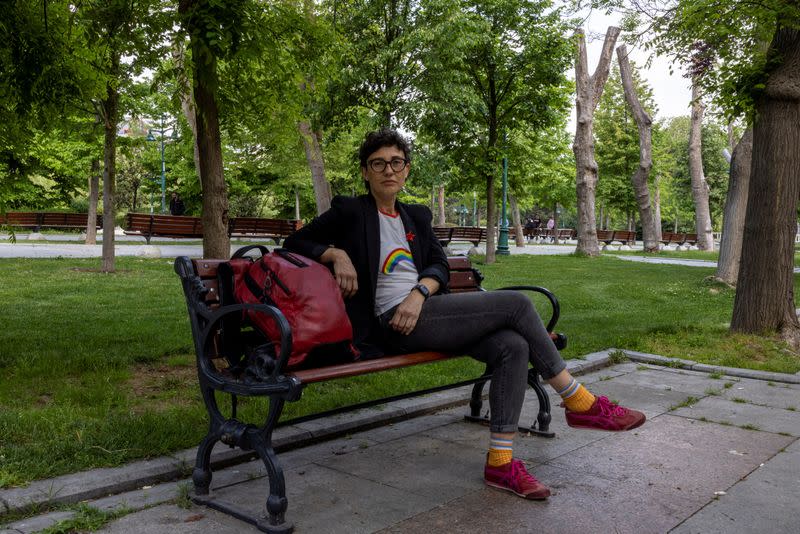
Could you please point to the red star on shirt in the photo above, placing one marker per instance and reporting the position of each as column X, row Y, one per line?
column 410, row 237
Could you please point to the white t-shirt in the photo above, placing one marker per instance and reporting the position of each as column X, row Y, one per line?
column 397, row 274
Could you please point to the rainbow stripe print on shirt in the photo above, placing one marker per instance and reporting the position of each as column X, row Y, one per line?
column 394, row 258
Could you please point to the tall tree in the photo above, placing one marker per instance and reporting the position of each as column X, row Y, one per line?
column 588, row 89
column 762, row 82
column 213, row 29
column 730, row 249
column 700, row 65
column 650, row 234
column 505, row 69
column 381, row 62
column 124, row 28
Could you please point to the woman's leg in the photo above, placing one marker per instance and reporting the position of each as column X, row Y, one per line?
column 458, row 322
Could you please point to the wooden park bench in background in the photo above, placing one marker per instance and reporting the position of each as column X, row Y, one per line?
column 677, row 238
column 544, row 234
column 625, row 237
column 37, row 220
column 148, row 225
column 472, row 234
column 275, row 229
column 235, row 359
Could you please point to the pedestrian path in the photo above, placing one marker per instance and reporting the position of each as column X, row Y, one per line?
column 719, row 453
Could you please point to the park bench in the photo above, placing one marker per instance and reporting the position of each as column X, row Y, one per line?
column 675, row 238
column 234, row 359
column 626, row 237
column 446, row 234
column 44, row 219
column 148, row 225
column 563, row 234
column 275, row 229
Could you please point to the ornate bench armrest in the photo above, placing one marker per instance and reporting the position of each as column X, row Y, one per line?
column 278, row 382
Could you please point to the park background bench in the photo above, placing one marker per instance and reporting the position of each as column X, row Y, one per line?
column 148, row 225
column 235, row 359
column 48, row 219
column 677, row 238
column 625, row 237
column 544, row 234
column 447, row 234
column 275, row 229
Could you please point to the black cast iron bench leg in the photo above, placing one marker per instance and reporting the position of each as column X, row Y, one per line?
column 201, row 475
column 542, row 425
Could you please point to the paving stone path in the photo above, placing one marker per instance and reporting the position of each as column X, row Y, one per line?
column 719, row 453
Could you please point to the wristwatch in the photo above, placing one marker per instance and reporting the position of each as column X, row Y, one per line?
column 422, row 288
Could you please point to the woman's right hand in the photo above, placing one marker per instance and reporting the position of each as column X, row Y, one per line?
column 343, row 271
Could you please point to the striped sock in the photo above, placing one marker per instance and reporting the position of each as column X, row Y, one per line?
column 500, row 451
column 576, row 397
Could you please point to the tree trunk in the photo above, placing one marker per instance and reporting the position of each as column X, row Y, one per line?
column 640, row 178
column 730, row 248
column 185, row 96
column 490, row 217
column 702, row 214
column 588, row 89
column 216, row 243
column 657, row 205
column 440, row 200
column 94, row 195
column 296, row 204
column 765, row 288
column 555, row 224
column 515, row 220
column 313, row 149
column 110, row 112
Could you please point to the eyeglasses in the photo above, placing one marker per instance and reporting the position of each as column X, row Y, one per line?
column 379, row 165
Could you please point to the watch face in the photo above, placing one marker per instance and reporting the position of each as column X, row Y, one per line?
column 423, row 289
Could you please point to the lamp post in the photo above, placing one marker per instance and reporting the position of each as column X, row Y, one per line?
column 474, row 208
column 502, row 240
column 162, row 132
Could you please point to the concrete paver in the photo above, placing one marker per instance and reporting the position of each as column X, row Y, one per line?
column 424, row 474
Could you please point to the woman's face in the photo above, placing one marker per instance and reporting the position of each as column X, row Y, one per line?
column 387, row 183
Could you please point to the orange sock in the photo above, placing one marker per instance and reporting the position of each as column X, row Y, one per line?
column 501, row 451
column 576, row 397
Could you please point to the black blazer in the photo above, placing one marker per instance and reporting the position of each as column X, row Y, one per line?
column 352, row 225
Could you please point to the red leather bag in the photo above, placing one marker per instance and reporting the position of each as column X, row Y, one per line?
column 303, row 290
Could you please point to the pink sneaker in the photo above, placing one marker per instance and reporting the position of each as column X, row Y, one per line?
column 605, row 415
column 515, row 478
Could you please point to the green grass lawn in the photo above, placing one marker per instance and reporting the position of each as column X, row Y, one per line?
column 99, row 368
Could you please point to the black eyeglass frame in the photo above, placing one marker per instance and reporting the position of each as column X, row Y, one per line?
column 379, row 164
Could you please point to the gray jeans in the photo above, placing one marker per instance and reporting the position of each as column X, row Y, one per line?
column 500, row 328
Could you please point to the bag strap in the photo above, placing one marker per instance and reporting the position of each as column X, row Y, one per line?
column 256, row 289
column 291, row 258
column 244, row 250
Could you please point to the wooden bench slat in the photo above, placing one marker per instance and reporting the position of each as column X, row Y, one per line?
column 320, row 374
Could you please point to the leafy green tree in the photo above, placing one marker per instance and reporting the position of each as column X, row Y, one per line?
column 492, row 67
column 676, row 142
column 757, row 45
column 380, row 62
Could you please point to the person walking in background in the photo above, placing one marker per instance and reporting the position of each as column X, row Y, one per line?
column 393, row 274
column 176, row 206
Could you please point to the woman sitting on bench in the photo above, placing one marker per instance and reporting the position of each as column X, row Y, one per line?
column 393, row 275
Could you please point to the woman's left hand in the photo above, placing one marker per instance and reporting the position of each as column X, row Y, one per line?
column 407, row 313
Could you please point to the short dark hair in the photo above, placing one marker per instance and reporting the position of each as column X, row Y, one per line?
column 381, row 138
